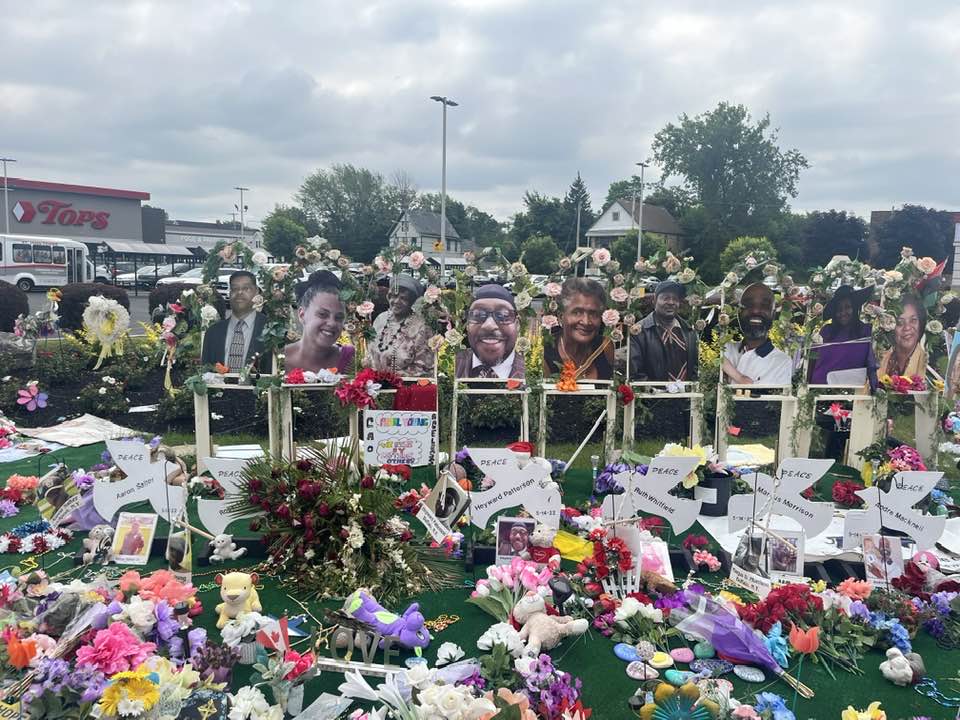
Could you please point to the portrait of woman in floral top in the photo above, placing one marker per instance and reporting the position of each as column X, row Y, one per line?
column 400, row 344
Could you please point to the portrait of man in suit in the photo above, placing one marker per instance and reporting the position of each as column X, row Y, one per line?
column 492, row 329
column 234, row 341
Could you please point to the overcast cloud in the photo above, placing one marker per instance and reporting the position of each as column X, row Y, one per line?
column 187, row 99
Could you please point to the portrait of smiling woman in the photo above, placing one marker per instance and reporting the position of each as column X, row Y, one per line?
column 907, row 356
column 579, row 337
column 322, row 316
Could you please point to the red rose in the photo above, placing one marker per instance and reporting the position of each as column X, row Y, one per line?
column 626, row 394
column 294, row 377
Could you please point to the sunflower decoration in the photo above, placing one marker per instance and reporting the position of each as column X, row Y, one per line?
column 107, row 321
column 683, row 703
column 129, row 694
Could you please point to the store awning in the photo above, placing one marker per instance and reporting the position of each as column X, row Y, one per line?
column 135, row 247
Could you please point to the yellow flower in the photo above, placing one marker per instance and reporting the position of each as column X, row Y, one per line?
column 866, row 473
column 818, row 586
column 180, row 682
column 676, row 450
column 938, row 384
column 132, row 686
column 727, row 595
column 873, row 712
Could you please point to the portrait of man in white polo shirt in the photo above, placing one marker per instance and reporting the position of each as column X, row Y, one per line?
column 754, row 360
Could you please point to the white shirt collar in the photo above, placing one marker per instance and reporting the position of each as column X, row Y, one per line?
column 501, row 369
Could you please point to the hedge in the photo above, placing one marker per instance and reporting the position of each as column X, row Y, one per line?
column 13, row 302
column 74, row 301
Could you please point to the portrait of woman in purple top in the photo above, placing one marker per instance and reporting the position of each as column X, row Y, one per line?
column 845, row 356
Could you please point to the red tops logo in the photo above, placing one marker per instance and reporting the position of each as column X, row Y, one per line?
column 60, row 213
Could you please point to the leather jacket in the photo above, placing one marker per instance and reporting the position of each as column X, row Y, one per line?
column 648, row 359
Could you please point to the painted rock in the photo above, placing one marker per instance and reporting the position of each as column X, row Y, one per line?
column 627, row 653
column 704, row 650
column 682, row 655
column 677, row 677
column 713, row 687
column 412, row 662
column 641, row 671
column 749, row 674
column 711, row 666
column 661, row 660
column 646, row 650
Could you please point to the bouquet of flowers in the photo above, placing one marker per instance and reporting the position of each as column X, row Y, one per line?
column 902, row 384
column 504, row 585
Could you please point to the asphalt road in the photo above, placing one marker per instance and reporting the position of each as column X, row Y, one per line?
column 138, row 308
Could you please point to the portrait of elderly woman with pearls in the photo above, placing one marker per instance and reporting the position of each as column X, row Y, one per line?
column 401, row 334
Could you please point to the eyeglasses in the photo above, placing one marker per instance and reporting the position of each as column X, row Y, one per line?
column 243, row 289
column 501, row 317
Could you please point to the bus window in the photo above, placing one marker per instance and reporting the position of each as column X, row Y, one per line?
column 22, row 253
column 42, row 254
column 59, row 255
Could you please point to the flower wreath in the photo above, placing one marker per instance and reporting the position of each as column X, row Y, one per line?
column 107, row 321
column 35, row 537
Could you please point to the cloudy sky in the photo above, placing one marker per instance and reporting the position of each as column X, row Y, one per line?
column 187, row 100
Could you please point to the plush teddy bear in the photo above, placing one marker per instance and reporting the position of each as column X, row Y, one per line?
column 541, row 631
column 222, row 547
column 96, row 545
column 542, row 544
column 238, row 594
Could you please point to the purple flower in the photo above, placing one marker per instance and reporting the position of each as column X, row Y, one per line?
column 858, row 609
column 103, row 617
column 678, row 599
column 604, row 623
column 942, row 600
column 8, row 508
column 605, row 484
column 475, row 679
column 462, row 456
column 83, row 480
column 196, row 638
column 935, row 627
column 155, row 442
column 167, row 625
column 106, row 458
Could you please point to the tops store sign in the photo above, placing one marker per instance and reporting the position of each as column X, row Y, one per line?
column 57, row 212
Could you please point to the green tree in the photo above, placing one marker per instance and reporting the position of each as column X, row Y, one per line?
column 470, row 222
column 927, row 231
column 738, row 249
column 281, row 235
column 787, row 233
column 833, row 232
column 355, row 207
column 624, row 250
column 540, row 254
column 576, row 195
column 674, row 199
column 542, row 215
column 297, row 215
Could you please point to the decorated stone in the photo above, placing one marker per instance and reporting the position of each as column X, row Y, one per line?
column 627, row 653
column 678, row 677
column 641, row 671
column 749, row 674
column 646, row 650
column 709, row 685
column 712, row 666
column 682, row 655
column 412, row 662
column 704, row 650
column 661, row 660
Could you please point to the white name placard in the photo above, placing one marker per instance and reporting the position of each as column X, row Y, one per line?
column 795, row 475
column 530, row 487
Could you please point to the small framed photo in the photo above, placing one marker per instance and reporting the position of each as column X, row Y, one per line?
column 448, row 501
column 784, row 554
column 514, row 538
column 133, row 538
column 882, row 559
column 747, row 555
column 655, row 557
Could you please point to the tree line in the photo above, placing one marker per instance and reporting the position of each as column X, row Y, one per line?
column 724, row 178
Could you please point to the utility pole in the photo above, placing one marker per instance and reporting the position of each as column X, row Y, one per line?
column 576, row 243
column 643, row 166
column 445, row 101
column 241, row 208
column 6, row 195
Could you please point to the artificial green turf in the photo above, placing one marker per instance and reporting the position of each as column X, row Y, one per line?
column 606, row 686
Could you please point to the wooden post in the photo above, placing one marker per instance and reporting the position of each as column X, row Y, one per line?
column 201, row 427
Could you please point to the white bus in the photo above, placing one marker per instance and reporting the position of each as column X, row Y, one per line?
column 34, row 261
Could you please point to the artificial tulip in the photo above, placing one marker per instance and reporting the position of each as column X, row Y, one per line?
column 873, row 712
column 805, row 641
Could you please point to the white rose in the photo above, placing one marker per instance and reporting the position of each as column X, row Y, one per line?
column 208, row 315
column 549, row 322
column 453, row 336
column 259, row 258
column 449, row 652
column 523, row 300
column 935, row 327
column 333, row 254
column 141, row 614
column 686, row 276
column 102, row 391
column 892, row 292
column 651, row 613
column 419, row 676
column 628, row 608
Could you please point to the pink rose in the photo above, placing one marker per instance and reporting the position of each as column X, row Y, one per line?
column 549, row 322
column 382, row 264
column 169, row 323
column 610, row 317
column 552, row 289
column 365, row 309
column 601, row 256
column 431, row 294
column 619, row 294
column 228, row 253
column 416, row 259
column 280, row 272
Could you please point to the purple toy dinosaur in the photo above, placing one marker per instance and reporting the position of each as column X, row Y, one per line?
column 408, row 628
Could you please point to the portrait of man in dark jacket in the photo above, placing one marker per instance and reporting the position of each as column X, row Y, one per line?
column 666, row 349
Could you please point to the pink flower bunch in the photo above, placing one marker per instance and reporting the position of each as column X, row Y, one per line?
column 23, row 483
column 301, row 663
column 517, row 576
column 114, row 650
column 705, row 557
column 905, row 458
column 158, row 585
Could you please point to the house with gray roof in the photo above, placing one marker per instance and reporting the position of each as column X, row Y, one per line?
column 623, row 215
column 420, row 229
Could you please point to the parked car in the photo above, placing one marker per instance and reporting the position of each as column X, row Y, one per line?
column 193, row 276
column 108, row 272
column 147, row 277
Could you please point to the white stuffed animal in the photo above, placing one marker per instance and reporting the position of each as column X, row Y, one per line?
column 541, row 631
column 224, row 548
column 896, row 668
column 96, row 545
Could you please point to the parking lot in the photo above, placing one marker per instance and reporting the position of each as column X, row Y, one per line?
column 138, row 308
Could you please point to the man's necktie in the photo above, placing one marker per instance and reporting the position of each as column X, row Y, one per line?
column 235, row 361
column 483, row 371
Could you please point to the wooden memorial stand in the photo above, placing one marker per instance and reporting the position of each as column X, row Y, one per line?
column 865, row 424
column 488, row 386
column 281, row 418
column 589, row 388
column 767, row 393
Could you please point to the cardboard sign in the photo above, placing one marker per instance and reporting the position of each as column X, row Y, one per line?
column 650, row 493
column 795, row 476
column 213, row 513
column 394, row 437
column 856, row 525
column 530, row 487
column 438, row 531
column 757, row 584
column 894, row 509
column 145, row 480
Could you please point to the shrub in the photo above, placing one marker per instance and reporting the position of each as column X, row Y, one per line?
column 737, row 250
column 13, row 302
column 75, row 297
column 134, row 366
column 104, row 399
column 60, row 361
column 161, row 295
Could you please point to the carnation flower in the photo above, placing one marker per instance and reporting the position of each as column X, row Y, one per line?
column 115, row 649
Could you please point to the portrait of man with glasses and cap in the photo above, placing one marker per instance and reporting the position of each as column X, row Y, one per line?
column 235, row 341
column 401, row 334
column 492, row 330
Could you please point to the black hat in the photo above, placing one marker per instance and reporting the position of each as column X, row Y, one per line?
column 846, row 292
column 410, row 284
column 492, row 291
column 671, row 286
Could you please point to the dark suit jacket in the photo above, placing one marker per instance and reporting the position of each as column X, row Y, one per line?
column 215, row 340
column 464, row 360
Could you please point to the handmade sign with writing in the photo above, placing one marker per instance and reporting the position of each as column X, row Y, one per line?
column 530, row 487
column 795, row 475
column 650, row 493
column 857, row 524
column 394, row 437
column 895, row 507
column 145, row 480
column 213, row 513
column 438, row 531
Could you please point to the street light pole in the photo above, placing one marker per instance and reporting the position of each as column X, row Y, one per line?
column 643, row 166
column 241, row 208
column 6, row 196
column 445, row 101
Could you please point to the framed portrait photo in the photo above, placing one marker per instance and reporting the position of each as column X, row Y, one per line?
column 514, row 538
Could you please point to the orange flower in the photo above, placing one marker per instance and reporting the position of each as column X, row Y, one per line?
column 511, row 698
column 805, row 641
column 855, row 589
column 221, row 368
column 20, row 652
column 568, row 377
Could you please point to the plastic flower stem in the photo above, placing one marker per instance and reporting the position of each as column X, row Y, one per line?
column 796, row 691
